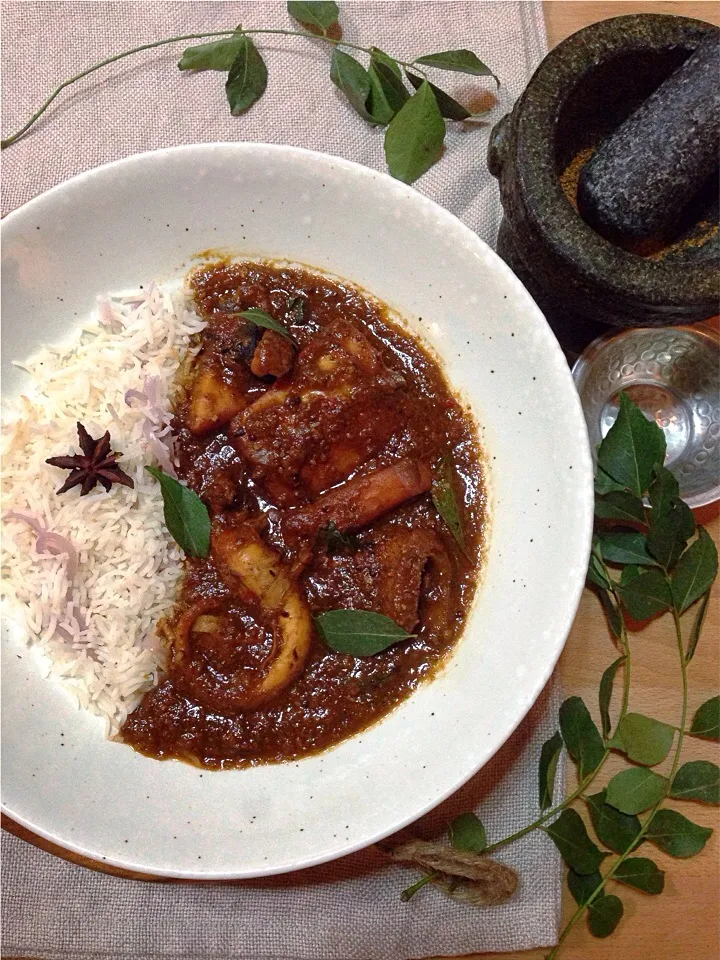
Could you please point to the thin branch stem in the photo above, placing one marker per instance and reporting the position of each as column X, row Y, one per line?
column 409, row 892
column 646, row 825
column 585, row 783
column 176, row 39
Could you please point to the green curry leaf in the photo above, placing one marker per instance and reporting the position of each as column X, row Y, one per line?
column 414, row 139
column 445, row 500
column 360, row 633
column 247, row 78
column 218, row 55
column 186, row 516
column 314, row 14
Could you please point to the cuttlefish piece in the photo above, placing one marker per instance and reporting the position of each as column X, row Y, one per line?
column 358, row 502
column 213, row 400
column 242, row 554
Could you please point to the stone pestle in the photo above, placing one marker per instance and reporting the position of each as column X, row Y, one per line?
column 637, row 184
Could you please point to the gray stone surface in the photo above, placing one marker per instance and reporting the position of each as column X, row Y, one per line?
column 639, row 181
column 585, row 89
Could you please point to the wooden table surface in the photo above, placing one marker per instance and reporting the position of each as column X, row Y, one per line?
column 684, row 922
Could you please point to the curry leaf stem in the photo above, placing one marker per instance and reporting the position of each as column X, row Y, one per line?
column 585, row 783
column 668, row 786
column 175, row 39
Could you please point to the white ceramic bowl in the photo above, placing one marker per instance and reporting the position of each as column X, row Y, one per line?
column 142, row 218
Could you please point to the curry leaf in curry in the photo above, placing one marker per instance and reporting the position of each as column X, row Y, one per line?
column 336, row 541
column 262, row 319
column 445, row 500
column 186, row 516
column 361, row 633
column 296, row 305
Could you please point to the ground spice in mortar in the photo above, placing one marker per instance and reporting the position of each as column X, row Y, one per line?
column 652, row 248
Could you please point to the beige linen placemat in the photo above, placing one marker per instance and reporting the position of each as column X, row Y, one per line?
column 349, row 910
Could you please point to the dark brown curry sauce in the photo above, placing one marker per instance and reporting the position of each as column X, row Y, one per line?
column 379, row 401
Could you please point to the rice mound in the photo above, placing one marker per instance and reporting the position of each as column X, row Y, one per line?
column 85, row 579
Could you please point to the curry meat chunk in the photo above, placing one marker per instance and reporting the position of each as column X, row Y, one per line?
column 313, row 430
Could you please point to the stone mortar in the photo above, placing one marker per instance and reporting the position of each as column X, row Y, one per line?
column 582, row 91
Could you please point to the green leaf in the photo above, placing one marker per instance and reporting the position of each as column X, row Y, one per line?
column 186, row 516
column 628, row 574
column 549, row 756
column 632, row 448
column 687, row 520
column 377, row 54
column 646, row 595
column 697, row 780
column 697, row 627
column 570, row 836
column 360, row 633
column 583, row 886
column 387, row 91
column 668, row 534
column 663, row 490
column 297, row 306
column 615, row 830
column 643, row 739
column 596, row 569
column 695, row 571
column 625, row 546
column 262, row 319
column 468, row 833
column 581, row 736
column 336, row 541
column 604, row 914
column 604, row 483
column 675, row 834
column 443, row 496
column 314, row 14
column 247, row 78
column 612, row 613
column 218, row 55
column 620, row 505
column 706, row 722
column 414, row 139
column 634, row 790
column 641, row 873
column 596, row 575
column 458, row 61
column 449, row 107
column 352, row 79
column 605, row 694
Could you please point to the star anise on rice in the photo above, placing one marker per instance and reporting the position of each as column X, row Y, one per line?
column 96, row 464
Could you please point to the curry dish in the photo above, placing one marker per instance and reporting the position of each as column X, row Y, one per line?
column 314, row 446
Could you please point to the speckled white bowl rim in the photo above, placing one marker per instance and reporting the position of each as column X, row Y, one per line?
column 143, row 217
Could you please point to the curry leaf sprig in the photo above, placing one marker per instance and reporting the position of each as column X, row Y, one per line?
column 645, row 561
column 414, row 115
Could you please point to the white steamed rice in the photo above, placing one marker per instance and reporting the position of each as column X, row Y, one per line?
column 95, row 625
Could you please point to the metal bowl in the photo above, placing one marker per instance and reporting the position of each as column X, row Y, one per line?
column 673, row 375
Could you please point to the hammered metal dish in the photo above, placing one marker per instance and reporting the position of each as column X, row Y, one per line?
column 673, row 375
